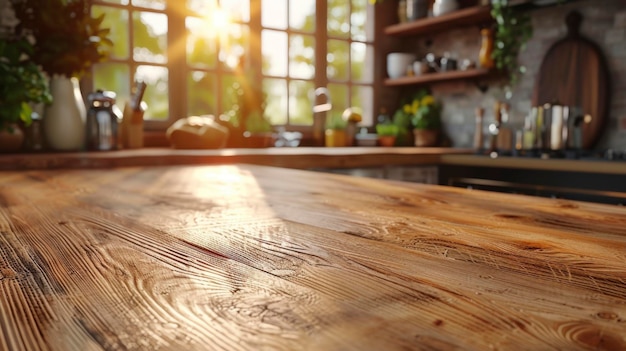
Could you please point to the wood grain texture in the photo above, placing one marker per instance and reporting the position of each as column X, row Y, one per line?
column 259, row 258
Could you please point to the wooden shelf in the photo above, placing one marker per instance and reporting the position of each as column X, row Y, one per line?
column 439, row 77
column 463, row 17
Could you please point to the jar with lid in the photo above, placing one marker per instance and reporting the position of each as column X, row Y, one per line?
column 103, row 118
column 34, row 140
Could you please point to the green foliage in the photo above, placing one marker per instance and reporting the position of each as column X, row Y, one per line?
column 68, row 41
column 403, row 122
column 256, row 123
column 387, row 129
column 335, row 121
column 21, row 82
column 419, row 111
column 513, row 30
column 427, row 117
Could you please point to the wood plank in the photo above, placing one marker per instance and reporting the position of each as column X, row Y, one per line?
column 251, row 258
column 429, row 78
column 468, row 16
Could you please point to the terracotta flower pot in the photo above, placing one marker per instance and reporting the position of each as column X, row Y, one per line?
column 425, row 137
column 387, row 140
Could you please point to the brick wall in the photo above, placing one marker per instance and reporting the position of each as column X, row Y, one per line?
column 604, row 22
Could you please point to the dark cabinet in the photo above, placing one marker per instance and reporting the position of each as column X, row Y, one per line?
column 609, row 188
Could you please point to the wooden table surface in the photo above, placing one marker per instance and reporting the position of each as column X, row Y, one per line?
column 257, row 258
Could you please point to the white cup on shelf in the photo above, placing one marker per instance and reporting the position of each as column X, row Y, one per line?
column 420, row 67
column 398, row 64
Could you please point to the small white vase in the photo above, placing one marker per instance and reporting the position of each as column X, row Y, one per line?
column 64, row 119
column 441, row 7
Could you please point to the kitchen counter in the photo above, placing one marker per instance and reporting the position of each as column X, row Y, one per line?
column 244, row 257
column 551, row 164
column 300, row 157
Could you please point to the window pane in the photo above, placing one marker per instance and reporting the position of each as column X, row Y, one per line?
column 276, row 100
column 339, row 96
column 302, row 15
column 117, row 21
column 235, row 44
column 302, row 56
column 338, row 60
column 201, row 97
column 300, row 103
column 201, row 47
column 156, row 95
column 150, row 37
column 362, row 62
column 362, row 96
column 151, row 4
column 338, row 21
column 202, row 8
column 238, row 10
column 113, row 77
column 274, row 14
column 230, row 100
column 274, row 48
column 358, row 21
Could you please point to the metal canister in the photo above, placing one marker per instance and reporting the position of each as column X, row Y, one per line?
column 103, row 118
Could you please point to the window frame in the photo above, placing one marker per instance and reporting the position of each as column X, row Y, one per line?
column 178, row 69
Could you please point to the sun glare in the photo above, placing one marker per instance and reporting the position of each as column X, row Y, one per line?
column 220, row 20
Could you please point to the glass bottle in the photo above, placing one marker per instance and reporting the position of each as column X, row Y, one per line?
column 486, row 49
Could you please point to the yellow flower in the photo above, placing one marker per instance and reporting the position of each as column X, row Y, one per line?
column 428, row 100
column 415, row 106
column 407, row 109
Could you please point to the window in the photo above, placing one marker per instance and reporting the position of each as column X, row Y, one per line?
column 195, row 55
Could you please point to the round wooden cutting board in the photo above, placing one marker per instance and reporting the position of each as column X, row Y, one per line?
column 574, row 73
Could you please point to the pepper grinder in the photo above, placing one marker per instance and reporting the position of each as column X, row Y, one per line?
column 478, row 133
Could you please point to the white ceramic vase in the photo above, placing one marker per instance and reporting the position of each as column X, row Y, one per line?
column 442, row 7
column 64, row 119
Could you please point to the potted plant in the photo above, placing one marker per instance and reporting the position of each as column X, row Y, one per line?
column 402, row 120
column 21, row 83
column 386, row 133
column 68, row 41
column 513, row 28
column 335, row 133
column 426, row 119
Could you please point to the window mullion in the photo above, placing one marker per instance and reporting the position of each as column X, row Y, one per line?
column 321, row 39
column 255, row 54
column 177, row 62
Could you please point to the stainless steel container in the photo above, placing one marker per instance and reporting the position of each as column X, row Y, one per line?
column 103, row 118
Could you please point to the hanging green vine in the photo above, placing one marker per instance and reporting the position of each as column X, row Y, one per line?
column 513, row 29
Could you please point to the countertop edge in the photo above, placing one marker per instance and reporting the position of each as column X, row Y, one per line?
column 553, row 164
column 299, row 158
